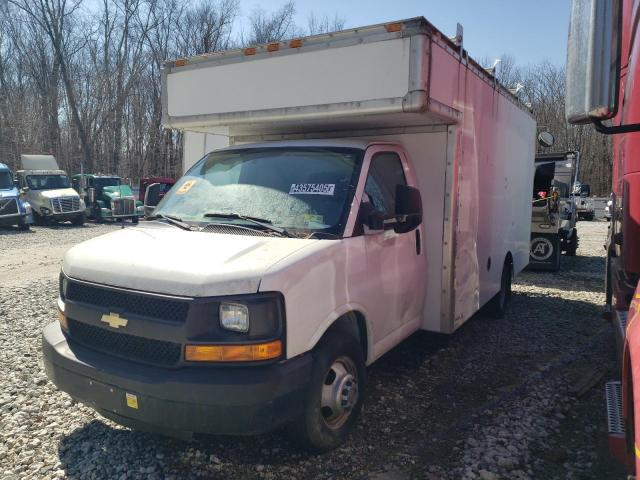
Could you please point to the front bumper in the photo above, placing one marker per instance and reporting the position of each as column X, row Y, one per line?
column 15, row 219
column 179, row 402
column 61, row 217
column 107, row 213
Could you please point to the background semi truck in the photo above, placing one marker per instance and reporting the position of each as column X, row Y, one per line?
column 603, row 83
column 48, row 191
column 554, row 214
column 13, row 209
column 107, row 198
column 355, row 203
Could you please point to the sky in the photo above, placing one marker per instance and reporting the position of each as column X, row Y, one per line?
column 530, row 31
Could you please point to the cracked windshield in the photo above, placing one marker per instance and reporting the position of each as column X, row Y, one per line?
column 294, row 188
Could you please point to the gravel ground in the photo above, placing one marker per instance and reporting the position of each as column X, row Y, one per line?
column 500, row 399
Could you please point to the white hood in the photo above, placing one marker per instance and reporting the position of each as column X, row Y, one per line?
column 61, row 192
column 165, row 259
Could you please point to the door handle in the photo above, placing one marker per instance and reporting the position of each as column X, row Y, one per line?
column 418, row 242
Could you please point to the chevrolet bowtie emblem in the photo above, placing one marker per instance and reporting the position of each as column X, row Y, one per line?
column 114, row 320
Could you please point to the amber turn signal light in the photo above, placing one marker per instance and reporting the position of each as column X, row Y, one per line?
column 63, row 321
column 233, row 353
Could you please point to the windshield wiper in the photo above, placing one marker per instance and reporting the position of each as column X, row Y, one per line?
column 263, row 222
column 172, row 220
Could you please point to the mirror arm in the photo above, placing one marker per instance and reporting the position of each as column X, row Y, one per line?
column 602, row 128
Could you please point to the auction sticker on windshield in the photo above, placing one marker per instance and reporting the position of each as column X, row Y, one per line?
column 312, row 189
column 185, row 187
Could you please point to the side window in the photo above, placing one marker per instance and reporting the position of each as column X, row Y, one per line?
column 385, row 172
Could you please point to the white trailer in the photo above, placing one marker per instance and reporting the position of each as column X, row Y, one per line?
column 374, row 182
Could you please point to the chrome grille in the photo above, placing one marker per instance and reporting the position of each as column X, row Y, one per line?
column 123, row 207
column 65, row 204
column 8, row 206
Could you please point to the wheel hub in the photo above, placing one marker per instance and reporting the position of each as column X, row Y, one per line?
column 339, row 392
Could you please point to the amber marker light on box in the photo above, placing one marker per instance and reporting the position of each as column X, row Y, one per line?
column 297, row 43
column 233, row 353
column 393, row 27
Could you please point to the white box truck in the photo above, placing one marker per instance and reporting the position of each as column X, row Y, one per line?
column 373, row 182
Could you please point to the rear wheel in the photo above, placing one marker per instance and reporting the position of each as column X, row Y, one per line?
column 497, row 306
column 134, row 220
column 572, row 246
column 334, row 395
column 23, row 225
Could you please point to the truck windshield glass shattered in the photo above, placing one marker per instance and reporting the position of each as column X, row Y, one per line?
column 6, row 182
column 294, row 188
column 47, row 182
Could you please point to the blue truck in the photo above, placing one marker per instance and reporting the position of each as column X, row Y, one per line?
column 13, row 209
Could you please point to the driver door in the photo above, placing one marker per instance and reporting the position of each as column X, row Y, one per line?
column 395, row 266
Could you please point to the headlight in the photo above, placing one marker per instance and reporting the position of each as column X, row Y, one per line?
column 64, row 285
column 82, row 205
column 234, row 316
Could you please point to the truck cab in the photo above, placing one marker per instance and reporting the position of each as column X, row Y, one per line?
column 554, row 212
column 14, row 210
column 165, row 184
column 48, row 191
column 107, row 198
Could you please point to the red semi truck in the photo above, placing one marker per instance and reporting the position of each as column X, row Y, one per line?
column 603, row 84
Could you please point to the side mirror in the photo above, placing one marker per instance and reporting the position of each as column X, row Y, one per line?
column 546, row 139
column 370, row 217
column 16, row 183
column 151, row 198
column 91, row 195
column 24, row 190
column 408, row 208
column 593, row 60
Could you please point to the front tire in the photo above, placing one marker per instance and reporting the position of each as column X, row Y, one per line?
column 79, row 220
column 23, row 226
column 334, row 396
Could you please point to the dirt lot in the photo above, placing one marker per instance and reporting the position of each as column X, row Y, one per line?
column 497, row 400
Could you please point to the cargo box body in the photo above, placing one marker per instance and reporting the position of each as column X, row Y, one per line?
column 471, row 142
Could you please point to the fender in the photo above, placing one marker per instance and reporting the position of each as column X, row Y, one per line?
column 631, row 371
column 335, row 315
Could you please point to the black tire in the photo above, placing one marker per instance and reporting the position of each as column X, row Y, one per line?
column 321, row 429
column 134, row 220
column 23, row 226
column 38, row 219
column 79, row 220
column 572, row 248
column 498, row 305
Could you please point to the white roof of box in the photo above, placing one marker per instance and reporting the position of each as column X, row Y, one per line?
column 39, row 162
